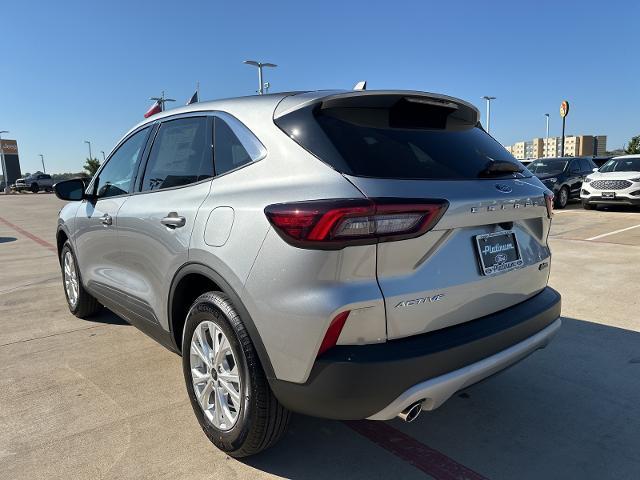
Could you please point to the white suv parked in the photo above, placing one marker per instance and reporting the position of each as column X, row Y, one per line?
column 616, row 182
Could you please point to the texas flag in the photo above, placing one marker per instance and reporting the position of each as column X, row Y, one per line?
column 155, row 108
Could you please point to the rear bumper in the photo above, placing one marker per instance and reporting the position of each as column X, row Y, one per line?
column 378, row 381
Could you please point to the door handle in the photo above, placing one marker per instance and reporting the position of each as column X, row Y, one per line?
column 106, row 219
column 173, row 220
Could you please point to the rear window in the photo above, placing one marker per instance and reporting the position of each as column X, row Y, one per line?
column 406, row 139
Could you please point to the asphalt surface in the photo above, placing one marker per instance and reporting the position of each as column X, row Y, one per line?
column 99, row 399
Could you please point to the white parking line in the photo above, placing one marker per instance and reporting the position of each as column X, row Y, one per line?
column 613, row 233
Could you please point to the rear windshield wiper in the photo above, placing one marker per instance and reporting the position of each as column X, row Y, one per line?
column 499, row 169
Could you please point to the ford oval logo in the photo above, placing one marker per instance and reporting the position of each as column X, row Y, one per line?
column 501, row 187
column 500, row 258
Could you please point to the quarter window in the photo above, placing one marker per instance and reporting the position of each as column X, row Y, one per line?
column 115, row 177
column 229, row 153
column 180, row 155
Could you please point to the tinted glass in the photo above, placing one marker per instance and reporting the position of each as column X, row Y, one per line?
column 116, row 176
column 621, row 165
column 179, row 156
column 574, row 167
column 229, row 153
column 586, row 165
column 404, row 140
column 547, row 167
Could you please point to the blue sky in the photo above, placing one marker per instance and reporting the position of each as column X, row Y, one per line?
column 81, row 70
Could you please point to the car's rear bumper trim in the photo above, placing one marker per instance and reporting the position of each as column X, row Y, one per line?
column 436, row 391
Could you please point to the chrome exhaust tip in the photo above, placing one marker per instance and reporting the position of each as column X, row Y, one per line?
column 410, row 413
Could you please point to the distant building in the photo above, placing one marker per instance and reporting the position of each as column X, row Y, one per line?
column 574, row 146
column 600, row 146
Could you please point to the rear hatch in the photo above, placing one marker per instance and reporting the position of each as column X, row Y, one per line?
column 486, row 253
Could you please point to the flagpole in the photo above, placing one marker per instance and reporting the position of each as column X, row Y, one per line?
column 162, row 100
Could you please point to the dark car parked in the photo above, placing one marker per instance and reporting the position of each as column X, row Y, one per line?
column 563, row 176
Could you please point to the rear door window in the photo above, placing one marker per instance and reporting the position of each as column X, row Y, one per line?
column 180, row 155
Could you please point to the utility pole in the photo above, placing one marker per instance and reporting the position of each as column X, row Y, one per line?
column 4, row 164
column 260, row 65
column 89, row 143
column 546, row 145
column 162, row 100
column 44, row 170
column 488, row 99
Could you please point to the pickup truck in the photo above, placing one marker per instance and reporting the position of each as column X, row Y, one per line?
column 35, row 183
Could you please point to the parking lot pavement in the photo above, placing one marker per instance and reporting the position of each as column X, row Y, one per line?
column 98, row 399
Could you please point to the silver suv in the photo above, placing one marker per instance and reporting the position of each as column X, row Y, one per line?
column 348, row 255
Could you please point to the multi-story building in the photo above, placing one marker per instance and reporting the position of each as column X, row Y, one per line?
column 600, row 146
column 574, row 146
column 550, row 147
column 518, row 150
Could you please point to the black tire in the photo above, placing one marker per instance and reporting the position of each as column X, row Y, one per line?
column 589, row 206
column 562, row 198
column 48, row 189
column 85, row 305
column 261, row 420
column 34, row 188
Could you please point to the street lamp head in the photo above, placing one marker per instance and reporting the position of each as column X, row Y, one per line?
column 486, row 97
column 3, row 131
column 87, row 141
column 546, row 114
column 259, row 64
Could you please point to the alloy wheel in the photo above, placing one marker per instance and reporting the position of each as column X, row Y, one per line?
column 215, row 375
column 71, row 284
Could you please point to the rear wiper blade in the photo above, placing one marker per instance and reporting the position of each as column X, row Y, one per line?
column 497, row 169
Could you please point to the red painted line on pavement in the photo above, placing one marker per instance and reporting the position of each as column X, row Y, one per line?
column 29, row 235
column 427, row 459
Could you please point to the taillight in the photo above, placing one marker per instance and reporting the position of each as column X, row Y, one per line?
column 548, row 198
column 333, row 332
column 335, row 224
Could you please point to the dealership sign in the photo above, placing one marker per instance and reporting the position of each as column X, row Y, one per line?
column 564, row 108
column 9, row 146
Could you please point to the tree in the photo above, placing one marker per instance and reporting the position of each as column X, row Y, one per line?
column 633, row 147
column 91, row 166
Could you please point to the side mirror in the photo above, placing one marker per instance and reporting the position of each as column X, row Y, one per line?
column 72, row 190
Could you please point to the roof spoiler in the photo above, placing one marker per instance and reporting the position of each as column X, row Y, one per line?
column 464, row 112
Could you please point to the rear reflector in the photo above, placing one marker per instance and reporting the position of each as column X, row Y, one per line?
column 335, row 224
column 333, row 332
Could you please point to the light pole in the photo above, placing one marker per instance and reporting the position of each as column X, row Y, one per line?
column 89, row 143
column 4, row 165
column 44, row 170
column 103, row 156
column 546, row 146
column 488, row 99
column 261, row 85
